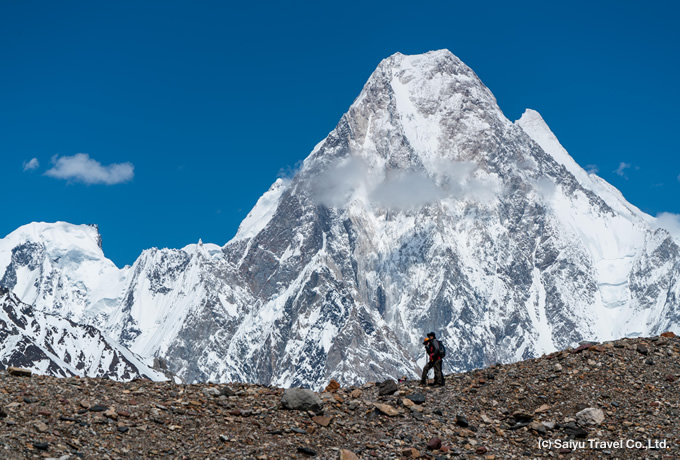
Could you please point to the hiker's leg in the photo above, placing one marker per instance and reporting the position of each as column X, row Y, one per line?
column 426, row 370
column 438, row 375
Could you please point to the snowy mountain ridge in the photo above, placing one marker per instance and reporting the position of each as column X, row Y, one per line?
column 424, row 209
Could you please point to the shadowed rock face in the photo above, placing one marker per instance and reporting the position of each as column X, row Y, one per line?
column 59, row 347
column 425, row 209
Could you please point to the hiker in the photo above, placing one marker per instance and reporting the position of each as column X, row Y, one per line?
column 434, row 350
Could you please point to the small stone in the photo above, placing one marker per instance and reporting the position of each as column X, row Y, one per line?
column 321, row 420
column 228, row 392
column 415, row 408
column 123, row 429
column 572, row 430
column 417, row 398
column 558, row 367
column 522, row 416
column 649, row 361
column 388, row 387
column 590, row 416
column 301, row 399
column 462, row 421
column 307, row 451
column 386, row 409
column 3, row 414
column 481, row 450
column 407, row 402
column 98, row 408
column 41, row 445
column 298, row 430
column 538, row 427
column 356, row 393
column 642, row 349
column 410, row 453
column 41, row 427
column 434, row 444
column 111, row 414
column 542, row 409
column 332, row 386
column 30, row 400
column 19, row 372
column 347, row 455
column 224, row 438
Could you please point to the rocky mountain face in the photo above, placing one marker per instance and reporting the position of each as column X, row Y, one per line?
column 425, row 209
column 612, row 400
column 59, row 347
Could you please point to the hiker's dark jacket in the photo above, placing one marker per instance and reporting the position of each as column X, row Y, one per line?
column 432, row 350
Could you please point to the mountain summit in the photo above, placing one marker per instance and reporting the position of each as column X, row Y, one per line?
column 424, row 209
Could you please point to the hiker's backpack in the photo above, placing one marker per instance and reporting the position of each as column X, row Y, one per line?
column 442, row 349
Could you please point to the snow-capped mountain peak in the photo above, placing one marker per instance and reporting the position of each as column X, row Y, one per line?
column 425, row 209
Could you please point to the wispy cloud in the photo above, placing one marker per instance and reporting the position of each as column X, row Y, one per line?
column 592, row 169
column 670, row 222
column 621, row 170
column 31, row 164
column 81, row 168
column 678, row 177
column 350, row 178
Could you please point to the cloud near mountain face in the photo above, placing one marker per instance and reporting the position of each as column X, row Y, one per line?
column 401, row 190
column 81, row 168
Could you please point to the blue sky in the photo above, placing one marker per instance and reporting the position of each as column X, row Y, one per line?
column 199, row 106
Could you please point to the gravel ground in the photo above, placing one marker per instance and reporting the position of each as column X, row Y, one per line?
column 611, row 400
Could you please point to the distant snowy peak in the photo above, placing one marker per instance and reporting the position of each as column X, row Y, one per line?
column 58, row 239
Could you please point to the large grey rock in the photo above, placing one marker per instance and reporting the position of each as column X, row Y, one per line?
column 301, row 399
column 590, row 416
column 388, row 387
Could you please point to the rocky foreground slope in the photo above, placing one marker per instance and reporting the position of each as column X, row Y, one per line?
column 611, row 400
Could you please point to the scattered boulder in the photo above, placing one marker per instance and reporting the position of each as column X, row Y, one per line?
column 347, row 455
column 642, row 349
column 388, row 387
column 19, row 372
column 386, row 409
column 411, row 452
column 574, row 431
column 322, row 420
column 669, row 334
column 434, row 444
column 332, row 386
column 522, row 416
column 417, row 398
column 307, row 451
column 301, row 399
column 590, row 416
column 461, row 421
column 543, row 408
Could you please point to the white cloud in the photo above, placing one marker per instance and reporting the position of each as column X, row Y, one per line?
column 81, row 168
column 621, row 170
column 350, row 178
column 670, row 222
column 31, row 164
column 592, row 169
column 678, row 177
